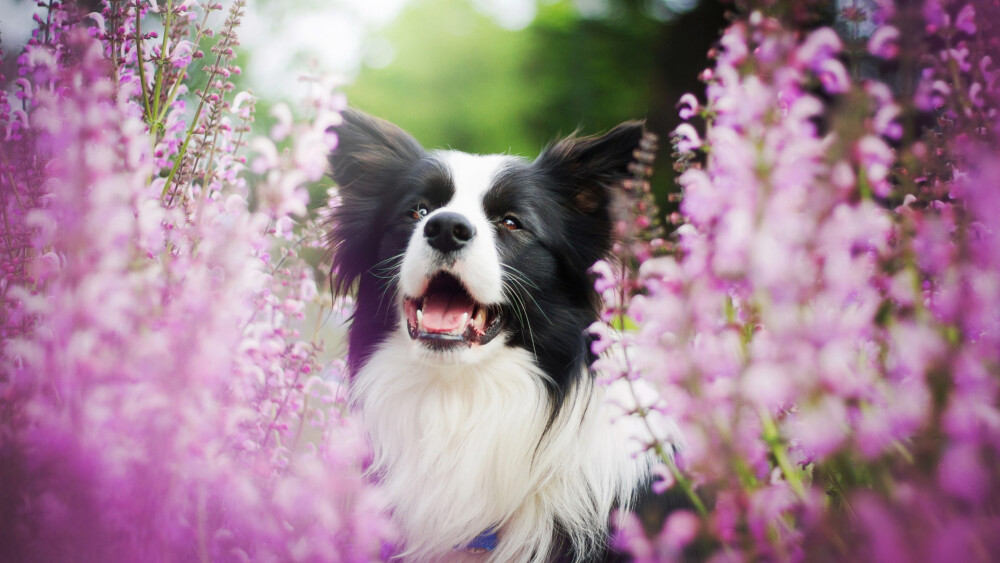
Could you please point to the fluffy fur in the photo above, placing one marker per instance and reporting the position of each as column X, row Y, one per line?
column 490, row 420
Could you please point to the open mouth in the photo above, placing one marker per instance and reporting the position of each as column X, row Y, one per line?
column 446, row 316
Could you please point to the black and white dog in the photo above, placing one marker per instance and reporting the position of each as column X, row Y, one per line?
column 468, row 349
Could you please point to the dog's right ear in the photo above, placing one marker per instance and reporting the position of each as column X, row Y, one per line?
column 371, row 158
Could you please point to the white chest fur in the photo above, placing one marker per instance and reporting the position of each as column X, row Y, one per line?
column 461, row 448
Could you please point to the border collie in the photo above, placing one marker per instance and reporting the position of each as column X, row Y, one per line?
column 468, row 348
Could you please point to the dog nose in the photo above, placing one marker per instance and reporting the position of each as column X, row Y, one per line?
column 448, row 231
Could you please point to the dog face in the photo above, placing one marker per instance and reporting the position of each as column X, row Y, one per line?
column 451, row 280
column 466, row 255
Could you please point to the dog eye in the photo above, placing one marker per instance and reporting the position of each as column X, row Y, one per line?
column 511, row 223
column 419, row 212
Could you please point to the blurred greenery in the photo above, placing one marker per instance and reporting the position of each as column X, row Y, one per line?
column 459, row 80
column 453, row 77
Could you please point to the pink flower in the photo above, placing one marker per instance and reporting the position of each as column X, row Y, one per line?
column 966, row 19
column 876, row 157
column 679, row 531
column 886, row 122
column 147, row 341
column 688, row 106
column 962, row 474
column 819, row 429
column 664, row 479
column 734, row 46
column 884, row 42
column 886, row 538
column 820, row 46
column 833, row 76
column 686, row 138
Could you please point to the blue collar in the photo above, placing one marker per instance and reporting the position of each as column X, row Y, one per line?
column 484, row 542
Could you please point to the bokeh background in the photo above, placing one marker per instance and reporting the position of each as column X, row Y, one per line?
column 475, row 75
column 826, row 336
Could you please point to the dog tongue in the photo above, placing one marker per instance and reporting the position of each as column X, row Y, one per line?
column 443, row 312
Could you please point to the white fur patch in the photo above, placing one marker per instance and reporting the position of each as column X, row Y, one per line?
column 459, row 448
column 477, row 265
column 459, row 436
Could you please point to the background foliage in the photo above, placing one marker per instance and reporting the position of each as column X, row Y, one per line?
column 461, row 80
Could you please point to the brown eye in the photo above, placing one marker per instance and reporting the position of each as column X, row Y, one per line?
column 511, row 223
column 419, row 212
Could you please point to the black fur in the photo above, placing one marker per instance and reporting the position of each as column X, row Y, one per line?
column 380, row 170
column 562, row 199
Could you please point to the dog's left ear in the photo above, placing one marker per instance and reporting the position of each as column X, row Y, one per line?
column 586, row 172
column 368, row 165
column 588, row 169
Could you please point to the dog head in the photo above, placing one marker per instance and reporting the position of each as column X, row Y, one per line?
column 464, row 254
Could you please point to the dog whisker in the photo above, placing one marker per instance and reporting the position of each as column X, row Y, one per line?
column 517, row 305
column 518, row 274
column 524, row 291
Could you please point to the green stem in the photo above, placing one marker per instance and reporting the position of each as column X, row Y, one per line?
column 194, row 124
column 158, row 87
column 207, row 178
column 682, row 481
column 661, row 452
column 773, row 439
column 172, row 95
column 864, row 187
column 177, row 162
column 142, row 69
column 182, row 152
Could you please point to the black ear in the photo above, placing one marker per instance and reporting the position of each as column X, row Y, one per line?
column 371, row 158
column 585, row 173
column 588, row 169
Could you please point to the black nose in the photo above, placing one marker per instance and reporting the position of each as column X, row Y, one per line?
column 448, row 231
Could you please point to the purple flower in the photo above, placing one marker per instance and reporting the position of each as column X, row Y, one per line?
column 962, row 474
column 884, row 42
column 148, row 341
column 820, row 46
column 886, row 122
column 876, row 159
column 688, row 106
column 966, row 19
column 182, row 54
column 833, row 76
column 679, row 531
column 804, row 327
column 686, row 138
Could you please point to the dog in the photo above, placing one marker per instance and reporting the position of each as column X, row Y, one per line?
column 468, row 349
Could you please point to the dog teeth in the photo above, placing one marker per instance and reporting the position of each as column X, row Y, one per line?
column 480, row 320
column 465, row 321
column 420, row 320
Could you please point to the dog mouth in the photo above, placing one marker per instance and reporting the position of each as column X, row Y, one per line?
column 446, row 316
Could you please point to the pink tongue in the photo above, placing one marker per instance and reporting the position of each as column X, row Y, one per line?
column 443, row 313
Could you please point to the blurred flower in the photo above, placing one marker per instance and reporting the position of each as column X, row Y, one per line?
column 810, row 333
column 151, row 361
column 884, row 42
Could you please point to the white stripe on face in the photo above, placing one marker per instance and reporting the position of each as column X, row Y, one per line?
column 478, row 264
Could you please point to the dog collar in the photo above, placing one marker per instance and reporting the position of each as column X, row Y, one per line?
column 484, row 542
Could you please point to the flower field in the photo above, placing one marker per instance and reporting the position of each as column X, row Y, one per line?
column 823, row 323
